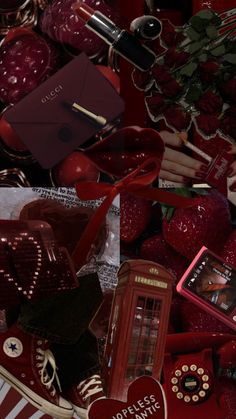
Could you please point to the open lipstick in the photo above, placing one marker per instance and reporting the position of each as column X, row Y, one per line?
column 123, row 42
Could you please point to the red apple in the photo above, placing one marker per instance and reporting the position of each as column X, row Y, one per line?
column 73, row 169
column 9, row 137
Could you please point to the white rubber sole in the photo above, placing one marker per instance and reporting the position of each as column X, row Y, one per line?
column 82, row 413
column 36, row 400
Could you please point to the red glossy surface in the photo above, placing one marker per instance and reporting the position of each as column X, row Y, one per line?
column 145, row 395
column 9, row 137
column 26, row 265
column 73, row 169
column 124, row 150
column 84, row 11
column 26, row 60
column 61, row 23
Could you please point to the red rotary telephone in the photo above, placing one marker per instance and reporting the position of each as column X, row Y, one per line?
column 198, row 374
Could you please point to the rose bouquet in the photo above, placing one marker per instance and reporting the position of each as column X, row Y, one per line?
column 194, row 78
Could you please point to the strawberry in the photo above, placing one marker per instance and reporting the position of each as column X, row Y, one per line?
column 206, row 223
column 157, row 250
column 229, row 250
column 135, row 214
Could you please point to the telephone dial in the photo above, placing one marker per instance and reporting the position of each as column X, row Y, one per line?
column 199, row 376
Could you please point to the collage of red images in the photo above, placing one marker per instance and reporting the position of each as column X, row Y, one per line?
column 117, row 209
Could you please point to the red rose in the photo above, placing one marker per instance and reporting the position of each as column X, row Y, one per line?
column 228, row 89
column 208, row 70
column 171, row 89
column 155, row 104
column 169, row 36
column 161, row 74
column 142, row 79
column 208, row 124
column 210, row 103
column 176, row 117
column 228, row 126
column 175, row 59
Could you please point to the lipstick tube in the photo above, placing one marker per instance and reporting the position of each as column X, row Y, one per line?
column 123, row 42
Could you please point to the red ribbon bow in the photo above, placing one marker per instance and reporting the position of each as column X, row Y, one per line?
column 138, row 183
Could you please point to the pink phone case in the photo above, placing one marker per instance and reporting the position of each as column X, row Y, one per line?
column 219, row 284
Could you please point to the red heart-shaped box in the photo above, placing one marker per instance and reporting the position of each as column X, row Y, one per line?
column 145, row 399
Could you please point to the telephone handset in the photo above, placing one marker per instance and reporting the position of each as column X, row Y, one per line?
column 194, row 366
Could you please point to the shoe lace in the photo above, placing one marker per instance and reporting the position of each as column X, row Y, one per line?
column 96, row 384
column 46, row 357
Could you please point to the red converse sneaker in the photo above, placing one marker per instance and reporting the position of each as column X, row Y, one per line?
column 82, row 395
column 23, row 364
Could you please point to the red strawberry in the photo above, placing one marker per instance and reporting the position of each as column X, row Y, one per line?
column 206, row 223
column 157, row 250
column 196, row 320
column 229, row 250
column 135, row 214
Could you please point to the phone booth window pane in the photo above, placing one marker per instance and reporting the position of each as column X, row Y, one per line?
column 143, row 338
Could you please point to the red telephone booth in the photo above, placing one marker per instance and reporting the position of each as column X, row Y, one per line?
column 138, row 325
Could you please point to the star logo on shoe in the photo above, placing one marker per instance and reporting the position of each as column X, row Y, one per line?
column 12, row 347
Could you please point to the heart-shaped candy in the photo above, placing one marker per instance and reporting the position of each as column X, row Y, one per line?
column 124, row 150
column 145, row 399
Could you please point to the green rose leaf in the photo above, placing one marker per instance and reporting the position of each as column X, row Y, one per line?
column 211, row 32
column 218, row 51
column 194, row 94
column 230, row 58
column 197, row 46
column 192, row 34
column 188, row 69
column 202, row 58
column 167, row 211
column 194, row 47
column 216, row 21
column 205, row 14
column 197, row 24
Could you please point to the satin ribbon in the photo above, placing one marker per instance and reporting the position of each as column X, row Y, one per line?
column 138, row 183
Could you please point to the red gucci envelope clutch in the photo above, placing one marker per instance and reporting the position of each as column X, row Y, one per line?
column 48, row 124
